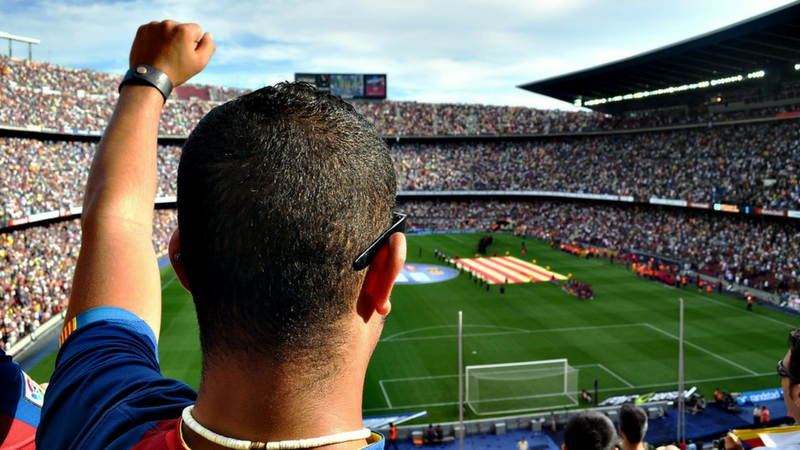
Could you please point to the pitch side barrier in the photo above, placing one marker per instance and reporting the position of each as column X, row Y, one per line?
column 45, row 218
column 171, row 201
column 534, row 422
column 41, row 341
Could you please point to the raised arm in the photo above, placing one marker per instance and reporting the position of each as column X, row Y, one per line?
column 117, row 264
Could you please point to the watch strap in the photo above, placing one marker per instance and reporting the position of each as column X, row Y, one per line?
column 145, row 75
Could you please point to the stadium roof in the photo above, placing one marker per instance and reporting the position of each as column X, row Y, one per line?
column 768, row 42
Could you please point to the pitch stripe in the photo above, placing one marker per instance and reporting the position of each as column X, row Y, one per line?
column 395, row 338
column 615, row 375
column 695, row 346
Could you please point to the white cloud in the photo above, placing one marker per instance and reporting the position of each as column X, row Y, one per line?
column 438, row 51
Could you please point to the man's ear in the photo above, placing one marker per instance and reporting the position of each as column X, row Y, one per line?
column 175, row 259
column 381, row 273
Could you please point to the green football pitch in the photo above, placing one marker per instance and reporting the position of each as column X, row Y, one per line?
column 626, row 337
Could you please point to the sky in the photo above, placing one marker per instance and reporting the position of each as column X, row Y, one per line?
column 433, row 51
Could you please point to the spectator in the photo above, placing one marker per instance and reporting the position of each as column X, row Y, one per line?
column 589, row 430
column 312, row 326
column 36, row 269
column 632, row 427
column 788, row 368
column 55, row 97
column 699, row 238
column 20, row 406
column 749, row 163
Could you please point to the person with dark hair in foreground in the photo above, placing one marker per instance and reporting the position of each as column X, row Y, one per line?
column 789, row 370
column 632, row 427
column 589, row 430
column 286, row 240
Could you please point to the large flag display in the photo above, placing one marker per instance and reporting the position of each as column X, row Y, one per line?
column 507, row 269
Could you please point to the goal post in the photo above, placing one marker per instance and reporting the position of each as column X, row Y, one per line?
column 521, row 386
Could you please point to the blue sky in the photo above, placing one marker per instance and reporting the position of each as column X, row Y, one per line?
column 468, row 51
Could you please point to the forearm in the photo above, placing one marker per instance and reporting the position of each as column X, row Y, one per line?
column 118, row 210
column 117, row 265
column 122, row 180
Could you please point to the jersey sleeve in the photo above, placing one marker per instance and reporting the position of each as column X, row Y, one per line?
column 20, row 406
column 107, row 390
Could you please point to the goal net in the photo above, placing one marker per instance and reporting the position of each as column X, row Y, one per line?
column 520, row 387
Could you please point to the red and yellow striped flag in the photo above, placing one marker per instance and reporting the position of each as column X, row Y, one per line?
column 68, row 329
column 760, row 437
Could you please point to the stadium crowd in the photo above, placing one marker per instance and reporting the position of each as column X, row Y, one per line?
column 753, row 164
column 47, row 95
column 36, row 263
column 756, row 164
column 36, row 268
column 64, row 99
column 42, row 176
column 59, row 98
column 747, row 251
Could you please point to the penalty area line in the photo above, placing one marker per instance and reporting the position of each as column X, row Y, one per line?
column 697, row 347
column 385, row 395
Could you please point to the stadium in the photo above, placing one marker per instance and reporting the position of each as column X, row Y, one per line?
column 578, row 259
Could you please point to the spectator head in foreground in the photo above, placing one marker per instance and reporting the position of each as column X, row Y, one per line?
column 789, row 371
column 632, row 426
column 589, row 430
column 285, row 197
column 279, row 191
column 287, row 241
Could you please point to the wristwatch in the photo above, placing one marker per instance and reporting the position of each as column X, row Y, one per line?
column 144, row 75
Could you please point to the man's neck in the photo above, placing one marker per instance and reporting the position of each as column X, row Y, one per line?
column 631, row 446
column 270, row 405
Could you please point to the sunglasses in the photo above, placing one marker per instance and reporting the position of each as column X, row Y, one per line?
column 782, row 372
column 365, row 258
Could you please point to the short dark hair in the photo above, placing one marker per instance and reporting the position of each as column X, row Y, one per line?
column 278, row 192
column 589, row 430
column 632, row 422
column 794, row 346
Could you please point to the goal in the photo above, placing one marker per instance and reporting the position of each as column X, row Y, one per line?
column 519, row 387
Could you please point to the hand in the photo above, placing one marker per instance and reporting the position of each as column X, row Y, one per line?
column 732, row 442
column 181, row 50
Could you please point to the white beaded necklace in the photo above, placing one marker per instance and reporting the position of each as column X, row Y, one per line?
column 296, row 444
